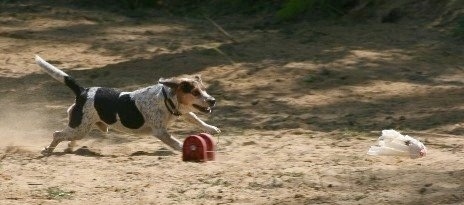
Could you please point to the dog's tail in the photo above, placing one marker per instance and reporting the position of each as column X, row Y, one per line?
column 59, row 75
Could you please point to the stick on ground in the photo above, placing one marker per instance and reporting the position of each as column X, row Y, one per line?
column 224, row 32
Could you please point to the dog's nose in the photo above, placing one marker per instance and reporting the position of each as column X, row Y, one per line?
column 211, row 101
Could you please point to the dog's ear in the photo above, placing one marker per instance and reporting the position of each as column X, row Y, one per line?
column 198, row 78
column 200, row 82
column 170, row 82
column 186, row 86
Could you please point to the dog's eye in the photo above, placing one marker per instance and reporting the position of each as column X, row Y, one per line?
column 196, row 93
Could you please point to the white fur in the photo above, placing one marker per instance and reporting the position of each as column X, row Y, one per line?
column 50, row 69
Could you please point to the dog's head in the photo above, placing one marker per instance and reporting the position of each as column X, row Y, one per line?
column 191, row 93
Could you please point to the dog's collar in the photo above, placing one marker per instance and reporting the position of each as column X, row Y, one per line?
column 169, row 104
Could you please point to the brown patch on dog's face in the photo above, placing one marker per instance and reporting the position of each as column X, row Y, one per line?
column 191, row 93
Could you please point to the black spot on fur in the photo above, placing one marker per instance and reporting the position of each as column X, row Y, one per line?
column 129, row 114
column 106, row 104
column 186, row 87
column 109, row 104
column 77, row 111
column 72, row 84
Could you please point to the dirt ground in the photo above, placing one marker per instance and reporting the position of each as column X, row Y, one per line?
column 299, row 106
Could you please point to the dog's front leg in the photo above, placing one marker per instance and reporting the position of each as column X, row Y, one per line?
column 192, row 118
column 164, row 136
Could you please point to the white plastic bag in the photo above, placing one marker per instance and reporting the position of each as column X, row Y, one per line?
column 392, row 143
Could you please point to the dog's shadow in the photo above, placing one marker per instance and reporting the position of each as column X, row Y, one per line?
column 82, row 151
column 162, row 152
column 87, row 152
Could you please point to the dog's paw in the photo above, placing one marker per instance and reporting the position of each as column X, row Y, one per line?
column 212, row 129
column 46, row 152
column 179, row 147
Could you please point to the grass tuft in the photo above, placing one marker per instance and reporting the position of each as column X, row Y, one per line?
column 57, row 193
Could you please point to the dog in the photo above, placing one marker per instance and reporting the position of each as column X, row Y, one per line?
column 146, row 110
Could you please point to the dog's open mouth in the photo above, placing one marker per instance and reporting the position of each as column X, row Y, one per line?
column 202, row 109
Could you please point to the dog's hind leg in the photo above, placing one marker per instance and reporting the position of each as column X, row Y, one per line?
column 58, row 137
column 100, row 125
column 71, row 146
column 68, row 134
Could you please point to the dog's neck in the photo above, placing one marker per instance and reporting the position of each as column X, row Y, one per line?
column 170, row 105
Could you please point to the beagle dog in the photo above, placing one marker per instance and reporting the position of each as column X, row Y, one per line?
column 146, row 110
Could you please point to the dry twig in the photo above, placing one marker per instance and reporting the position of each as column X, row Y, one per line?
column 224, row 32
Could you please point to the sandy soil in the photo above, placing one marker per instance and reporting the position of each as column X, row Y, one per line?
column 299, row 105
